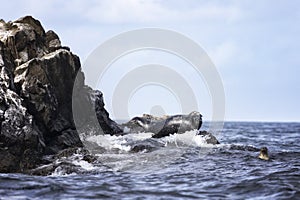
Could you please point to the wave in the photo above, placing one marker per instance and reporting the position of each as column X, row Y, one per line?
column 136, row 152
column 139, row 152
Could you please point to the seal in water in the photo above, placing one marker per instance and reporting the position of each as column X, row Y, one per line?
column 165, row 125
column 264, row 153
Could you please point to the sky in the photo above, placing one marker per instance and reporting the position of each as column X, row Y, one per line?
column 254, row 45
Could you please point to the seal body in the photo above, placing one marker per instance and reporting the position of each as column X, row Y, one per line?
column 165, row 125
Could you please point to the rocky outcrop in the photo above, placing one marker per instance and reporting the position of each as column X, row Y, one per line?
column 37, row 116
column 36, row 82
column 164, row 126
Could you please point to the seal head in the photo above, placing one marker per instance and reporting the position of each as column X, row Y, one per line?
column 264, row 153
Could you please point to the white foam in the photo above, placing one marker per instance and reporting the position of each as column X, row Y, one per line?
column 139, row 136
column 109, row 142
column 189, row 138
column 84, row 165
column 59, row 171
column 175, row 146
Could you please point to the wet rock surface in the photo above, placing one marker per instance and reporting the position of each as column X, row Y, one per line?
column 209, row 137
column 36, row 82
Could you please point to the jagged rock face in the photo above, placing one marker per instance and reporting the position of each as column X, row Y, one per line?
column 46, row 85
column 36, row 82
column 19, row 141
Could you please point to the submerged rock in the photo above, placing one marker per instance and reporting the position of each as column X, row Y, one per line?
column 147, row 145
column 36, row 82
column 67, row 161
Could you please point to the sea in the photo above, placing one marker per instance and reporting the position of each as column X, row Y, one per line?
column 180, row 166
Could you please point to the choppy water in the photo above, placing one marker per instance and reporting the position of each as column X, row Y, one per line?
column 180, row 166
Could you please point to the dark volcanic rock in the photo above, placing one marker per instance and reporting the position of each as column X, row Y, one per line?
column 147, row 145
column 36, row 82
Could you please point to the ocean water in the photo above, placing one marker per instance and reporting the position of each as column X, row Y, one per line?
column 176, row 167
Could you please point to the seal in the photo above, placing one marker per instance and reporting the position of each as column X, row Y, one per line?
column 165, row 125
column 263, row 154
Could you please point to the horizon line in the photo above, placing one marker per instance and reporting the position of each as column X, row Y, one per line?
column 242, row 120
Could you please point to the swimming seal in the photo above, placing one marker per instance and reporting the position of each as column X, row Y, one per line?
column 165, row 125
column 264, row 153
